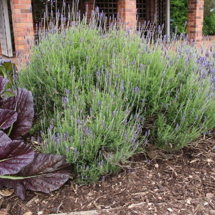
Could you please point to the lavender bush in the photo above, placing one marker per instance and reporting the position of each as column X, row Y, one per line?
column 98, row 134
column 103, row 94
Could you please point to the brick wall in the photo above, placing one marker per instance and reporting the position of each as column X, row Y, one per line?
column 195, row 19
column 87, row 6
column 127, row 12
column 22, row 24
column 152, row 11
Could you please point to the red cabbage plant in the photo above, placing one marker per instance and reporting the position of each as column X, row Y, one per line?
column 20, row 167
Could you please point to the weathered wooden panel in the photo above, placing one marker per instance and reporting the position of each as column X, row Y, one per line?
column 5, row 32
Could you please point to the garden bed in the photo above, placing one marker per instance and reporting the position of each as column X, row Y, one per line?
column 178, row 183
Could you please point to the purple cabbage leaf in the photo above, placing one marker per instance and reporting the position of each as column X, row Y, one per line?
column 14, row 155
column 46, row 173
column 22, row 104
column 7, row 118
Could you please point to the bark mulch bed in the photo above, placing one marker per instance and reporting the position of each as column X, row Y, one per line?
column 181, row 182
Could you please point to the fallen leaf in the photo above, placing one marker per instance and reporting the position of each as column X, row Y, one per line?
column 210, row 160
column 6, row 192
column 189, row 200
column 194, row 160
column 3, row 212
column 28, row 213
column 209, row 195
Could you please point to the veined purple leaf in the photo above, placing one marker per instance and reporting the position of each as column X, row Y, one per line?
column 3, row 82
column 4, row 139
column 52, row 172
column 22, row 103
column 14, row 155
column 46, row 173
column 7, row 118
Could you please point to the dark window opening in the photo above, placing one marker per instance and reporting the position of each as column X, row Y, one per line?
column 142, row 9
column 109, row 7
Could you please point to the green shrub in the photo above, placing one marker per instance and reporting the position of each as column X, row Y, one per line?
column 7, row 70
column 107, row 93
column 209, row 18
column 94, row 132
column 209, row 24
column 179, row 13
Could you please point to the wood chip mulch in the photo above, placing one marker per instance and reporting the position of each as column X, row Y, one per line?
column 157, row 182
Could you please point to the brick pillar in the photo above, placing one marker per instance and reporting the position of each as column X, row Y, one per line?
column 22, row 24
column 195, row 19
column 152, row 11
column 87, row 6
column 127, row 11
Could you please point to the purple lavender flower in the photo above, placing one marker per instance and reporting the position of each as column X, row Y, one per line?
column 67, row 148
column 213, row 71
column 57, row 140
column 122, row 86
column 67, row 91
column 137, row 90
column 28, row 41
column 133, row 140
column 177, row 126
column 38, row 139
column 125, row 122
column 86, row 131
column 103, row 125
column 114, row 113
column 167, row 106
column 65, row 100
column 91, row 111
column 18, row 53
column 207, row 54
column 107, row 77
column 213, row 80
column 211, row 48
column 98, row 73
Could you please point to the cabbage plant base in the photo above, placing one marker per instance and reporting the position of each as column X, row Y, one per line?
column 20, row 167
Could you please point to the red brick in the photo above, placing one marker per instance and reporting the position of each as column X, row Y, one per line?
column 19, row 15
column 19, row 6
column 25, row 10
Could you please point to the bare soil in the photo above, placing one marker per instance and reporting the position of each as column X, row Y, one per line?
column 157, row 182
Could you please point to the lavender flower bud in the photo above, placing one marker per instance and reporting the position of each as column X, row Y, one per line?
column 137, row 90
column 176, row 128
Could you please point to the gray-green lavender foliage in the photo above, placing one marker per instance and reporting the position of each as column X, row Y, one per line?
column 103, row 94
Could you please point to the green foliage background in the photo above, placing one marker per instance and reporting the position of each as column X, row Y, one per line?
column 209, row 18
column 178, row 12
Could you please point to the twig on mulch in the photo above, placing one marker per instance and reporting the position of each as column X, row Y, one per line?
column 58, row 208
